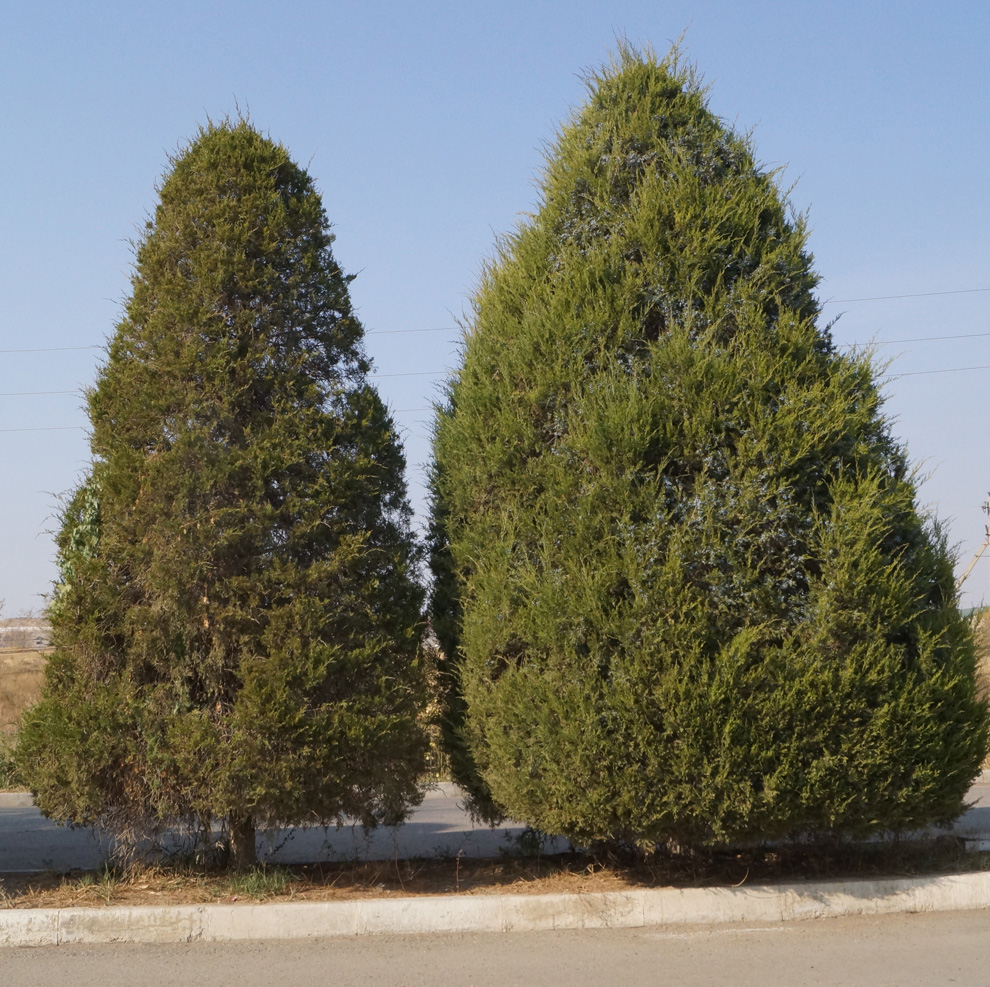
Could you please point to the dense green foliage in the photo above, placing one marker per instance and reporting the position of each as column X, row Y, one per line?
column 683, row 586
column 237, row 622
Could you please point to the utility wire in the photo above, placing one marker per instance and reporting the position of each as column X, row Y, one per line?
column 416, row 373
column 395, row 332
column 399, row 411
column 369, row 332
column 400, row 332
column 438, row 373
column 46, row 428
column 919, row 339
column 82, row 428
column 56, row 428
column 386, row 332
column 53, row 349
column 945, row 370
column 919, row 294
column 442, row 373
column 24, row 394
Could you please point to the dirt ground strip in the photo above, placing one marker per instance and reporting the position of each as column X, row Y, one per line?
column 570, row 873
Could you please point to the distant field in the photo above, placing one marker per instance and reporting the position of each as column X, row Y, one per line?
column 21, row 672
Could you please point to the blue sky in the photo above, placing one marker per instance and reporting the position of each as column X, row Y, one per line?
column 424, row 126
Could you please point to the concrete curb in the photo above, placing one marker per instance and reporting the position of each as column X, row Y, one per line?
column 492, row 913
column 16, row 800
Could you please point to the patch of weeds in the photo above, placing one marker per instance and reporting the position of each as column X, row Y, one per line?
column 104, row 883
column 9, row 776
column 262, row 882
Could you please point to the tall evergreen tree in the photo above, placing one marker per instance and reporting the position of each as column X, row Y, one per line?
column 683, row 586
column 237, row 622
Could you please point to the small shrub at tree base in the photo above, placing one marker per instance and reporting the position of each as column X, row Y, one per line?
column 9, row 775
column 237, row 619
column 263, row 882
column 683, row 588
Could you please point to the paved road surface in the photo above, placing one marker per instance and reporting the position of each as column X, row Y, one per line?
column 889, row 951
column 439, row 827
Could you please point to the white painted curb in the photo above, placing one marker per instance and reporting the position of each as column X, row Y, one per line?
column 492, row 913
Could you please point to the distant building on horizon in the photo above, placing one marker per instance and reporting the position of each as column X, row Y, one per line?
column 17, row 633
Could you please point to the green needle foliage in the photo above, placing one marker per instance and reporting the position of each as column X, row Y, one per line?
column 683, row 586
column 237, row 622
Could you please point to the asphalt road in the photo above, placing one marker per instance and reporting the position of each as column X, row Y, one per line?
column 922, row 950
column 437, row 828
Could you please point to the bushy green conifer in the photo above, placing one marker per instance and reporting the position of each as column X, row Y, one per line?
column 237, row 621
column 683, row 585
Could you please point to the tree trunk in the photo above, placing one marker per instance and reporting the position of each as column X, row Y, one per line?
column 243, row 852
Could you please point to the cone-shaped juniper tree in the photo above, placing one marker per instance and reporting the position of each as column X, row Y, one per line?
column 683, row 586
column 237, row 622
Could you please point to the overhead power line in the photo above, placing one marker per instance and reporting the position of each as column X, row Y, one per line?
column 945, row 370
column 397, row 332
column 417, row 373
column 93, row 346
column 46, row 428
column 401, row 332
column 445, row 373
column 63, row 428
column 53, row 349
column 82, row 428
column 386, row 332
column 24, row 394
column 78, row 391
column 438, row 373
column 918, row 294
column 921, row 339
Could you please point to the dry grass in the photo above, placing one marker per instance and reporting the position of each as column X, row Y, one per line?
column 558, row 874
column 21, row 673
